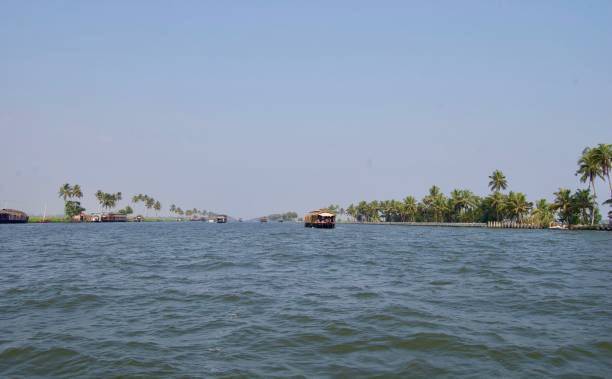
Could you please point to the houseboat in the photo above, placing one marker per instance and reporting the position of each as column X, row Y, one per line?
column 321, row 218
column 13, row 216
column 221, row 219
column 113, row 217
column 84, row 217
column 263, row 219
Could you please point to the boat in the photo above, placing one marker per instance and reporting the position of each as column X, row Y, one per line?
column 221, row 219
column 13, row 216
column 321, row 218
column 263, row 219
column 113, row 217
column 558, row 227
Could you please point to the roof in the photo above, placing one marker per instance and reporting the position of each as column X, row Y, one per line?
column 13, row 211
column 322, row 212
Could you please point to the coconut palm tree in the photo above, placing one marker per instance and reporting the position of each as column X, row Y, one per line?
column 435, row 203
column 76, row 191
column 65, row 191
column 585, row 204
column 497, row 201
column 149, row 203
column 498, row 181
column 410, row 207
column 603, row 156
column 350, row 210
column 589, row 169
column 518, row 205
column 157, row 206
column 543, row 214
column 563, row 205
column 460, row 202
column 136, row 199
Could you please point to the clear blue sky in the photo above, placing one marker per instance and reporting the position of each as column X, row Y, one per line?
column 241, row 107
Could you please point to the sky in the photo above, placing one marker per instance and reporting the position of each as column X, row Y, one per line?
column 256, row 107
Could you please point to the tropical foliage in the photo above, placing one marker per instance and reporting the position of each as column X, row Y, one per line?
column 108, row 201
column 462, row 205
column 71, row 207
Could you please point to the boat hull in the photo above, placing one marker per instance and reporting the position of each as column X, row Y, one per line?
column 319, row 225
column 13, row 221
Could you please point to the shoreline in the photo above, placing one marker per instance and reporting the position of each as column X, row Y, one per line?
column 479, row 225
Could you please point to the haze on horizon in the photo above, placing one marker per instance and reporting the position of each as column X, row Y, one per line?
column 251, row 108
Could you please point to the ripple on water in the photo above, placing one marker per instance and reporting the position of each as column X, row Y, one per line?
column 248, row 300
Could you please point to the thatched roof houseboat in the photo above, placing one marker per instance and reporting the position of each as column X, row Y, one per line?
column 321, row 218
column 13, row 216
column 84, row 217
column 113, row 217
column 221, row 219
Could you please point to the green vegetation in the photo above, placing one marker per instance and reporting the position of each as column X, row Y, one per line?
column 36, row 219
column 148, row 203
column 461, row 205
column 288, row 216
column 126, row 211
column 71, row 207
column 464, row 206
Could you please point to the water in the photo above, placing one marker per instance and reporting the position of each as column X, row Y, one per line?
column 279, row 300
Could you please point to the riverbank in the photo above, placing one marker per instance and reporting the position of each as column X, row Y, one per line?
column 478, row 225
column 59, row 219
column 444, row 224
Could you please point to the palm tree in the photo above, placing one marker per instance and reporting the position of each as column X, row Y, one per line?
column 149, row 203
column 136, row 199
column 76, row 191
column 65, row 191
column 157, row 206
column 498, row 181
column 460, row 202
column 563, row 205
column 603, row 156
column 543, row 214
column 100, row 197
column 351, row 211
column 518, row 205
column 410, row 207
column 589, row 169
column 498, row 203
column 585, row 203
column 435, row 203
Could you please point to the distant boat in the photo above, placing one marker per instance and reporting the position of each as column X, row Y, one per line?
column 13, row 216
column 558, row 227
column 321, row 218
column 263, row 219
column 113, row 217
column 221, row 219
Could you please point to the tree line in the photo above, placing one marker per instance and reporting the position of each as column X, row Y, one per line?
column 194, row 212
column 287, row 216
column 462, row 205
column 107, row 201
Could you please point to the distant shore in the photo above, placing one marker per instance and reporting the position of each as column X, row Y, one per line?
column 60, row 219
column 601, row 227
